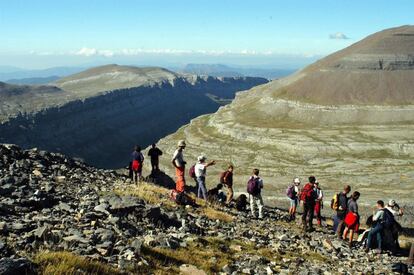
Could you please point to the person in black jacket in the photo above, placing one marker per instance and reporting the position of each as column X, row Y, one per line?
column 308, row 197
column 341, row 211
column 155, row 154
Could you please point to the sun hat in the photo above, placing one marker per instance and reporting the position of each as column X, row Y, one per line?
column 181, row 143
column 391, row 203
column 201, row 158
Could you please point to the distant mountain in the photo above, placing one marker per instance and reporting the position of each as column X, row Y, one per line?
column 101, row 113
column 218, row 70
column 347, row 119
column 9, row 69
column 33, row 80
column 8, row 72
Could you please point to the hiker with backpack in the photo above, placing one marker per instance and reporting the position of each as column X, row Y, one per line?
column 179, row 164
column 308, row 197
column 339, row 203
column 200, row 173
column 226, row 178
column 318, row 203
column 383, row 219
column 352, row 218
column 137, row 162
column 155, row 154
column 254, row 188
column 292, row 192
column 394, row 208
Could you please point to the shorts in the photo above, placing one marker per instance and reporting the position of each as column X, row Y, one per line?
column 293, row 202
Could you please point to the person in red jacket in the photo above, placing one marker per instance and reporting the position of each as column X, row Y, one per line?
column 308, row 197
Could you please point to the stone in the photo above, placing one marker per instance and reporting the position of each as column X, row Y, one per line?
column 41, row 232
column 136, row 245
column 9, row 266
column 186, row 269
column 65, row 207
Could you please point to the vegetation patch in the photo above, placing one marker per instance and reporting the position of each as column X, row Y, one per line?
column 65, row 263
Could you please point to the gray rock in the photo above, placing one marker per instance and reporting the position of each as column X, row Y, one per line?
column 9, row 266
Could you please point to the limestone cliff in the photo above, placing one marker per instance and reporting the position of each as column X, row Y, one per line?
column 98, row 115
column 344, row 119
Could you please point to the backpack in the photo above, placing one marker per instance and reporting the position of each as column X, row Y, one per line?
column 388, row 219
column 191, row 172
column 290, row 191
column 253, row 187
column 335, row 202
column 222, row 176
column 307, row 193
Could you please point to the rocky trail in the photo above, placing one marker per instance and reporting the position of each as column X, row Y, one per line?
column 50, row 203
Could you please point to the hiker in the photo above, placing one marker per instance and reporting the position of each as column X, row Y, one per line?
column 292, row 193
column 179, row 164
column 130, row 171
column 137, row 162
column 241, row 202
column 383, row 219
column 200, row 173
column 308, row 196
column 318, row 203
column 394, row 208
column 352, row 218
column 226, row 178
column 155, row 154
column 216, row 194
column 339, row 203
column 254, row 188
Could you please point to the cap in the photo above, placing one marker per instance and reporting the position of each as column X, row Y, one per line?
column 181, row 143
column 391, row 203
column 201, row 158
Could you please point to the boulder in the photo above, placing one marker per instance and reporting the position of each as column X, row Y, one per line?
column 9, row 266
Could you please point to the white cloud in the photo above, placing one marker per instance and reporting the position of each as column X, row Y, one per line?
column 94, row 52
column 338, row 35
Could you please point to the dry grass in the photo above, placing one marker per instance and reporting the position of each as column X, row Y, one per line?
column 66, row 263
column 154, row 194
column 150, row 193
column 208, row 254
column 214, row 214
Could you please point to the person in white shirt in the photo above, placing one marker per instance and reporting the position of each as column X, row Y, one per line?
column 318, row 203
column 200, row 173
column 255, row 195
column 394, row 208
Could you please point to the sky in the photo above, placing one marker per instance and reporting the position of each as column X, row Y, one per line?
column 260, row 33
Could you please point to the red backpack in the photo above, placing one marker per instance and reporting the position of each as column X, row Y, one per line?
column 307, row 192
column 191, row 172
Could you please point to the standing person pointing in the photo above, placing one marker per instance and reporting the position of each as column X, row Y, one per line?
column 201, row 172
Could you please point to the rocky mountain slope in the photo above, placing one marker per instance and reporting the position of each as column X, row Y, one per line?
column 101, row 113
column 51, row 203
column 345, row 119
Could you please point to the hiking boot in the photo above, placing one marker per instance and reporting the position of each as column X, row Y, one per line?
column 350, row 244
column 366, row 249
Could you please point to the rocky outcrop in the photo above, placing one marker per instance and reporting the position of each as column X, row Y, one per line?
column 51, row 202
column 101, row 127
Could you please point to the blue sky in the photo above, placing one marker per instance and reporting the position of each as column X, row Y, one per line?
column 38, row 34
